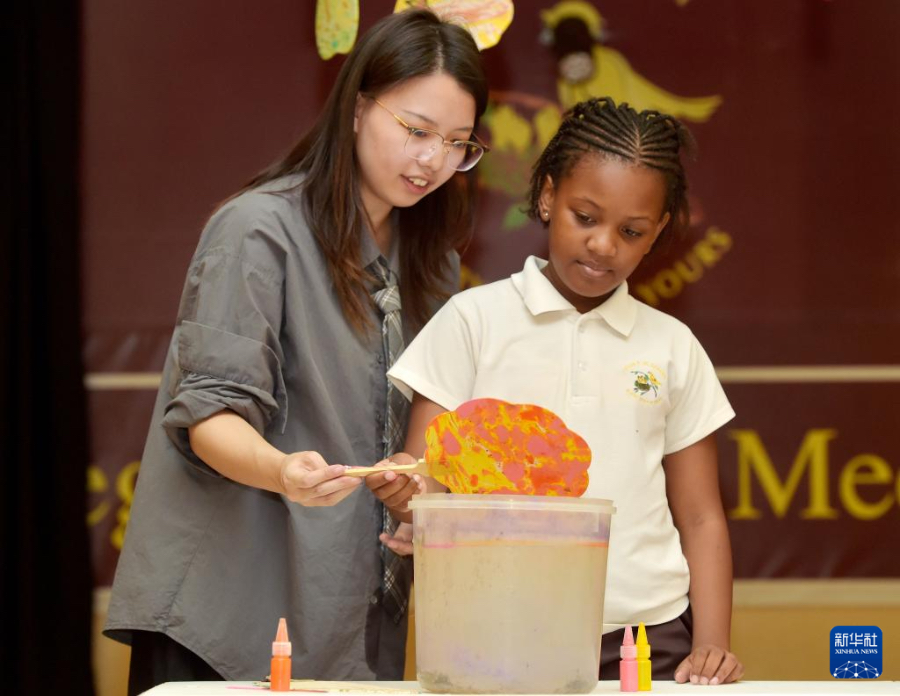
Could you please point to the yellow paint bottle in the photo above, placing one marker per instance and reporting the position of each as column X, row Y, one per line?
column 643, row 659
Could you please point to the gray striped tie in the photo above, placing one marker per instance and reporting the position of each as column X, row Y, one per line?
column 395, row 590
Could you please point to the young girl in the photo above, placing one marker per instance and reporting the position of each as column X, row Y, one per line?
column 275, row 380
column 566, row 335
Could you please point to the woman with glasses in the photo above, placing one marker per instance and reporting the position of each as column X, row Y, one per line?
column 303, row 289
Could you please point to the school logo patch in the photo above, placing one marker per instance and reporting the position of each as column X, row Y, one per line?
column 645, row 382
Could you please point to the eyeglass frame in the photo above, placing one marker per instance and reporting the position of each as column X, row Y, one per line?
column 477, row 142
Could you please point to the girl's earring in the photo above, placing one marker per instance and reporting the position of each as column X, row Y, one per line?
column 546, row 215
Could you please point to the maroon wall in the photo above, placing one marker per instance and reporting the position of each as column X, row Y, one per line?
column 793, row 259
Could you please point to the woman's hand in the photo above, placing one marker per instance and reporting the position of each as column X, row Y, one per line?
column 395, row 490
column 231, row 446
column 401, row 542
column 709, row 664
column 306, row 478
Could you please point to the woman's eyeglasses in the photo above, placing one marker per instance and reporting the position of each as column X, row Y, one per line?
column 422, row 144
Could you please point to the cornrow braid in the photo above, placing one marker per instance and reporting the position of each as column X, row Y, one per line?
column 599, row 126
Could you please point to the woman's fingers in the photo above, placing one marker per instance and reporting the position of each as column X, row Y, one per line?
column 330, row 498
column 308, row 479
column 330, row 491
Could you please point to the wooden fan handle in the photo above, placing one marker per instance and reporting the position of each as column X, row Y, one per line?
column 420, row 467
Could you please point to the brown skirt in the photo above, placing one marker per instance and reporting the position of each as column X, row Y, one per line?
column 670, row 643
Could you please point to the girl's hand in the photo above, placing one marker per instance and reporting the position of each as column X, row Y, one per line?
column 709, row 664
column 395, row 490
column 306, row 478
column 401, row 542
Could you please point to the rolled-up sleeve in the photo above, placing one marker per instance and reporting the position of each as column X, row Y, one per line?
column 227, row 353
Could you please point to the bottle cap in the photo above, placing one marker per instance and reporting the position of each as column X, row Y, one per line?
column 643, row 647
column 628, row 651
column 281, row 646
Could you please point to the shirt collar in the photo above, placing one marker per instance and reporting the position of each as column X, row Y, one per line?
column 539, row 295
column 369, row 251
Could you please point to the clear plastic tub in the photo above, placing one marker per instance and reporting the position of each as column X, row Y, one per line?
column 509, row 592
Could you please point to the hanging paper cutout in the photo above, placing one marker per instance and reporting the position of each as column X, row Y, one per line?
column 588, row 68
column 486, row 20
column 337, row 22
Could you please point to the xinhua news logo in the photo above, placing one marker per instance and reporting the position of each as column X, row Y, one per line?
column 856, row 652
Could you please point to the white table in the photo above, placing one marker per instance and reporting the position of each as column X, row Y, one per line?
column 863, row 687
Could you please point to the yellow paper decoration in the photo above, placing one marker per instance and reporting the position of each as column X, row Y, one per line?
column 486, row 20
column 337, row 22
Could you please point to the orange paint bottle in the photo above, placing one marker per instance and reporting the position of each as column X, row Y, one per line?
column 280, row 677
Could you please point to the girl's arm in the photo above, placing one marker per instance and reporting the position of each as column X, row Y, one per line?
column 692, row 487
column 395, row 490
column 231, row 446
column 421, row 414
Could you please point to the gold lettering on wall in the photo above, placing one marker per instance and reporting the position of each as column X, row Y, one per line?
column 669, row 282
column 125, row 489
column 811, row 462
column 866, row 470
column 97, row 483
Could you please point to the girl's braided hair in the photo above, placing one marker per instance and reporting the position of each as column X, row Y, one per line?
column 601, row 127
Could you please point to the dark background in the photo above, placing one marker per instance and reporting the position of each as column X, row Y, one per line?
column 125, row 123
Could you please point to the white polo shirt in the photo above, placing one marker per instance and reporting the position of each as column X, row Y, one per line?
column 634, row 382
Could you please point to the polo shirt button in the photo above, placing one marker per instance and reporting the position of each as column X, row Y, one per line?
column 373, row 599
column 582, row 366
column 581, row 329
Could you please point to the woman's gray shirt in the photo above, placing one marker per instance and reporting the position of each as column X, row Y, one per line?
column 212, row 563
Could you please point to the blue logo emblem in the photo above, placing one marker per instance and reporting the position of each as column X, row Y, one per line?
column 856, row 652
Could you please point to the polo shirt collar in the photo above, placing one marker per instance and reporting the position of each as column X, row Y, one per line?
column 539, row 295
